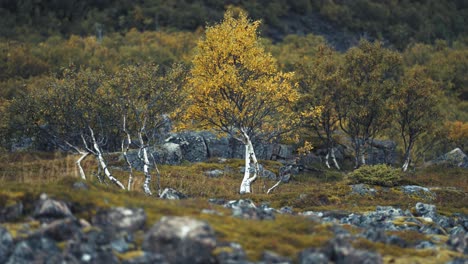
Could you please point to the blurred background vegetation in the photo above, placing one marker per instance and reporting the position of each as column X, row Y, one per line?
column 40, row 38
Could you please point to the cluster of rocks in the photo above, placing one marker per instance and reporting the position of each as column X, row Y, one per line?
column 52, row 234
column 200, row 146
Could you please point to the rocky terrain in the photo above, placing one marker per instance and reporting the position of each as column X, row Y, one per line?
column 44, row 229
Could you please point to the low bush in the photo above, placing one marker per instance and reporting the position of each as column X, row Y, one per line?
column 382, row 175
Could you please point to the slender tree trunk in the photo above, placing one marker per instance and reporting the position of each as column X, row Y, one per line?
column 102, row 162
column 357, row 153
column 407, row 159
column 334, row 158
column 327, row 157
column 125, row 148
column 78, row 163
column 158, row 173
column 146, row 162
column 249, row 155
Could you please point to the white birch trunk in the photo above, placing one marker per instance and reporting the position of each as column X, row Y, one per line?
column 249, row 155
column 102, row 162
column 406, row 164
column 334, row 159
column 146, row 162
column 363, row 158
column 78, row 163
column 326, row 159
column 125, row 148
column 146, row 166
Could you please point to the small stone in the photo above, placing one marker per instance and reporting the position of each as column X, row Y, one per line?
column 80, row 186
column 214, row 173
column 230, row 253
column 171, row 194
column 273, row 258
column 312, row 256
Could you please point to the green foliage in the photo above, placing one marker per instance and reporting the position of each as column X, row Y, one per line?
column 382, row 175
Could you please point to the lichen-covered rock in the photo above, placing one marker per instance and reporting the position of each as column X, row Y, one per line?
column 33, row 250
column 246, row 209
column 454, row 158
column 459, row 242
column 120, row 219
column 93, row 246
column 214, row 173
column 362, row 189
column 147, row 258
column 59, row 230
column 49, row 209
column 231, row 253
column 312, row 256
column 6, row 244
column 181, row 240
column 171, row 194
column 273, row 258
column 426, row 210
column 419, row 191
column 11, row 212
column 80, row 186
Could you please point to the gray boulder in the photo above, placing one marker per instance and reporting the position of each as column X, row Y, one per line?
column 120, row 219
column 454, row 158
column 246, row 209
column 34, row 250
column 381, row 152
column 362, row 189
column 459, row 242
column 6, row 244
column 273, row 258
column 426, row 210
column 231, row 253
column 181, row 240
column 59, row 230
column 11, row 212
column 419, row 191
column 192, row 145
column 48, row 209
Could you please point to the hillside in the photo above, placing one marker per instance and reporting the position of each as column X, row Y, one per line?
column 45, row 208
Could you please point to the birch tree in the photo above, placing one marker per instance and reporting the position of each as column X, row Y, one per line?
column 320, row 86
column 370, row 73
column 146, row 99
column 237, row 88
column 74, row 115
column 417, row 109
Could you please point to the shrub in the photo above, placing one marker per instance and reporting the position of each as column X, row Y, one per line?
column 381, row 175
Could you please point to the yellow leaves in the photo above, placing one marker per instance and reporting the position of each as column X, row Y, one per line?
column 234, row 82
column 305, row 149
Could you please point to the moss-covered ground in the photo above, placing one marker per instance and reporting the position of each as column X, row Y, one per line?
column 25, row 177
